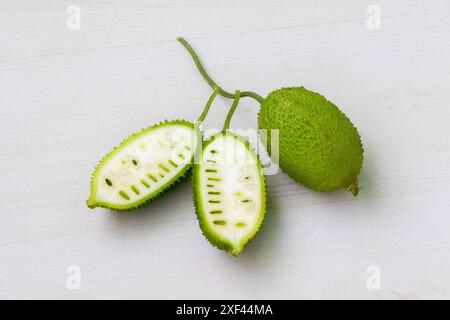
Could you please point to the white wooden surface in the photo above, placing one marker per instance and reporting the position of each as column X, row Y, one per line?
column 68, row 96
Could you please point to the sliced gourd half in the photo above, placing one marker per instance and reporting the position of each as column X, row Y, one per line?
column 229, row 192
column 144, row 166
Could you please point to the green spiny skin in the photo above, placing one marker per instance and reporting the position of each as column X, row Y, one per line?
column 318, row 145
column 229, row 190
column 146, row 164
column 143, row 166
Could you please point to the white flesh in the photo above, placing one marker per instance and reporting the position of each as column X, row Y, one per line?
column 237, row 215
column 158, row 155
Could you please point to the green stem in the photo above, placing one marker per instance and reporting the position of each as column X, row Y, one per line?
column 208, row 105
column 210, row 81
column 237, row 97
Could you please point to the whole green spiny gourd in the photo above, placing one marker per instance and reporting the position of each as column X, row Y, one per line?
column 318, row 145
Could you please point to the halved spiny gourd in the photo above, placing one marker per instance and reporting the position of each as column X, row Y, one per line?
column 229, row 191
column 145, row 165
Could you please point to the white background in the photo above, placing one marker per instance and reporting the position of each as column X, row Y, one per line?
column 68, row 96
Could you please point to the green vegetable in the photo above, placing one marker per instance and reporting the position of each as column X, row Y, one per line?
column 318, row 145
column 145, row 165
column 229, row 190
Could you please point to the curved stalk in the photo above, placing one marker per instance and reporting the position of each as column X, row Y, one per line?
column 237, row 97
column 210, row 81
column 208, row 105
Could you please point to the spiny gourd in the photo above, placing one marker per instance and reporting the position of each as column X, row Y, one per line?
column 229, row 190
column 318, row 145
column 145, row 165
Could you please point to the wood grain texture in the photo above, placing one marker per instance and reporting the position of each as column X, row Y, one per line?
column 68, row 96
